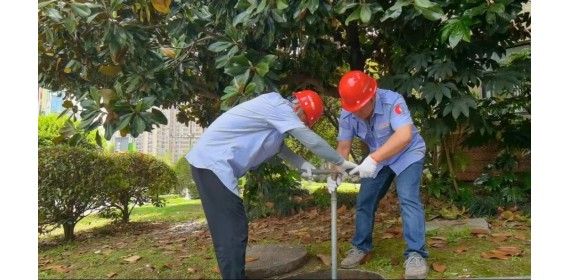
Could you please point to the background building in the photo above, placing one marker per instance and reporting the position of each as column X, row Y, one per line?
column 49, row 102
column 170, row 142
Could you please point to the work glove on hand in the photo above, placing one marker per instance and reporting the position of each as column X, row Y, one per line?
column 344, row 166
column 366, row 168
column 307, row 169
column 333, row 184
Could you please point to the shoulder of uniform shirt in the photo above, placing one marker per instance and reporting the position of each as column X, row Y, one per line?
column 344, row 114
column 388, row 96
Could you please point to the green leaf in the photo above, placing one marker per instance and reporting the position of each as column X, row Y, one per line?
column 456, row 30
column 54, row 15
column 43, row 4
column 341, row 7
column 277, row 16
column 456, row 110
column 237, row 65
column 70, row 24
column 313, row 5
column 365, row 13
column 490, row 17
column 68, row 129
column 159, row 117
column 92, row 17
column 67, row 104
column 261, row 6
column 249, row 88
column 476, row 11
column 396, row 10
column 80, row 9
column 447, row 109
column 497, row 8
column 353, row 16
column 146, row 103
column 95, row 95
column 89, row 104
column 282, row 4
column 75, row 139
column 464, row 108
column 241, row 17
column 441, row 70
column 220, row 46
column 261, row 69
column 230, row 92
column 124, row 120
column 137, row 126
column 98, row 139
column 109, row 131
column 433, row 13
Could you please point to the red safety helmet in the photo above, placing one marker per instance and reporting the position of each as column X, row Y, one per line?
column 355, row 89
column 312, row 105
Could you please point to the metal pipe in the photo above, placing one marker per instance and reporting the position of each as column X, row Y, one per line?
column 333, row 235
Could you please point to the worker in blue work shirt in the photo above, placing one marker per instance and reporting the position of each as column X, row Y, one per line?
column 382, row 120
column 240, row 140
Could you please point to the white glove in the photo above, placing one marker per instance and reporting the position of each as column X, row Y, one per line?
column 344, row 166
column 366, row 168
column 333, row 184
column 307, row 169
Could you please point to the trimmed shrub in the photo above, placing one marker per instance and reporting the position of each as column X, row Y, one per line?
column 136, row 179
column 185, row 181
column 70, row 183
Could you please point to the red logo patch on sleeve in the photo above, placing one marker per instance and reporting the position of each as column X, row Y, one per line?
column 398, row 109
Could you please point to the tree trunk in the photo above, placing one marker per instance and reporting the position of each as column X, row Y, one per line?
column 125, row 213
column 356, row 56
column 450, row 165
column 68, row 229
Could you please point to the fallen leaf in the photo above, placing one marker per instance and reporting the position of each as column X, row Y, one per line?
column 506, row 234
column 498, row 238
column 341, row 210
column 132, row 259
column 216, row 270
column 507, row 215
column 438, row 267
column 192, row 270
column 461, row 250
column 251, row 259
column 395, row 261
column 326, row 259
column 269, row 204
column 167, row 266
column 111, row 274
column 477, row 231
column 520, row 236
column 510, row 250
column 387, row 235
column 58, row 268
column 489, row 255
column 438, row 238
column 436, row 243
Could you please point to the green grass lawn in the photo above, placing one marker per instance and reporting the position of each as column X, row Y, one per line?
column 101, row 248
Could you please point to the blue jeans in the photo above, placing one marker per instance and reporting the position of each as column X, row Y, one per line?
column 411, row 207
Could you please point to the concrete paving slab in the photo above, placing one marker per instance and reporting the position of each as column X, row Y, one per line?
column 273, row 259
column 477, row 223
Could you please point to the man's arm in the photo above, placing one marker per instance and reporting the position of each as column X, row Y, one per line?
column 316, row 144
column 292, row 158
column 395, row 144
